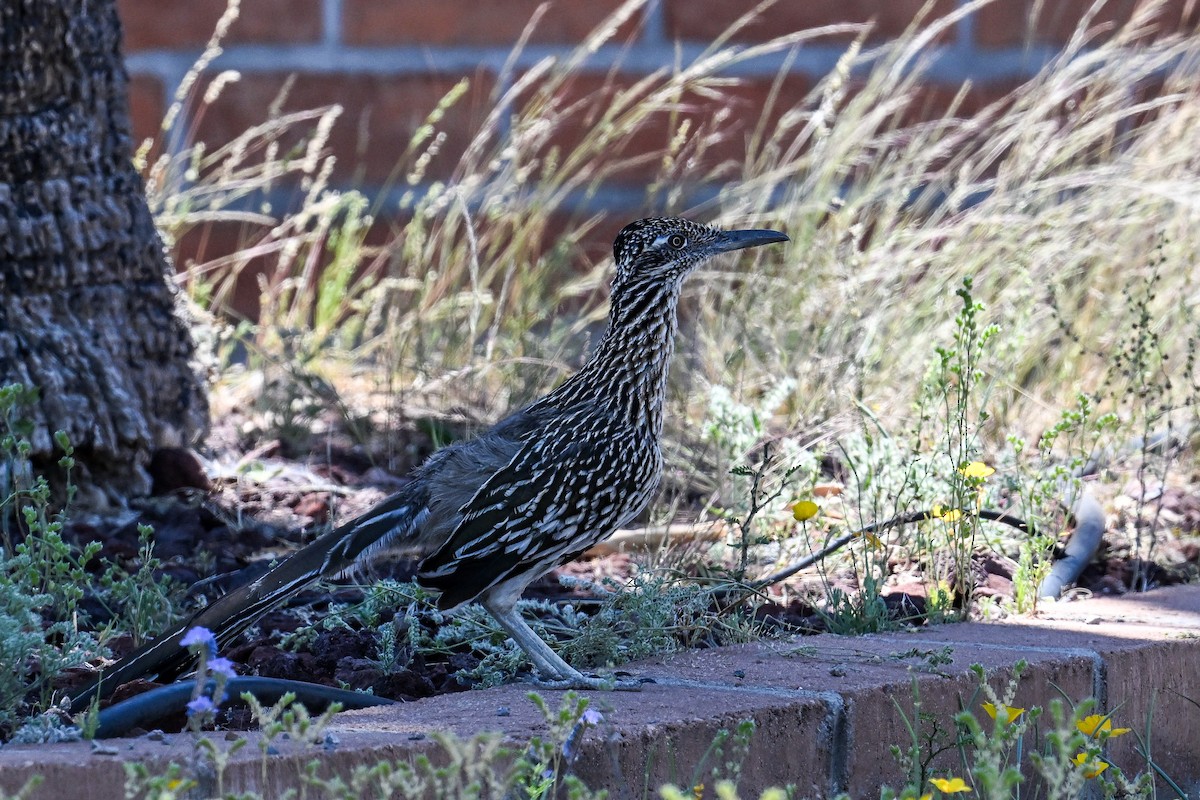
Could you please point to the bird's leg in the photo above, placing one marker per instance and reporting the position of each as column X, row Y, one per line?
column 555, row 673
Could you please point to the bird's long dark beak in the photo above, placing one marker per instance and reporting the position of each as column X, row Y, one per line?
column 738, row 240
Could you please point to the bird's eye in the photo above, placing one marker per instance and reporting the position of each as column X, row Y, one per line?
column 677, row 241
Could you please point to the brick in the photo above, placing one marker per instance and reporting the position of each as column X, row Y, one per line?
column 147, row 105
column 591, row 246
column 932, row 101
column 704, row 21
column 188, row 24
column 380, row 114
column 732, row 112
column 217, row 241
column 1009, row 24
column 464, row 22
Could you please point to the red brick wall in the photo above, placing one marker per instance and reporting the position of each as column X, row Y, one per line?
column 389, row 61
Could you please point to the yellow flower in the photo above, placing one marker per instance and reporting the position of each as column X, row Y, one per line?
column 1099, row 725
column 871, row 539
column 1090, row 768
column 947, row 514
column 926, row 796
column 976, row 469
column 950, row 785
column 1005, row 714
column 804, row 510
column 698, row 791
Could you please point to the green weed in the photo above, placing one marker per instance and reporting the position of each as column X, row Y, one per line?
column 43, row 579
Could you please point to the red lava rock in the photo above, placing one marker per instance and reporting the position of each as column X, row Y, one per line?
column 404, row 684
column 458, row 661
column 343, row 643
column 358, row 673
column 995, row 586
column 132, row 689
column 271, row 662
column 999, row 565
column 314, row 506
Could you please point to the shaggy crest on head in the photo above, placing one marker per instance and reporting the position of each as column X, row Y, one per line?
column 534, row 491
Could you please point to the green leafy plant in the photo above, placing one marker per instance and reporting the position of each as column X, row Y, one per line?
column 44, row 578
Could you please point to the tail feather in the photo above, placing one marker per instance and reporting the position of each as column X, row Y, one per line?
column 395, row 520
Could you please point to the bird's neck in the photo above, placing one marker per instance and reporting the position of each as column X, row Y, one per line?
column 628, row 369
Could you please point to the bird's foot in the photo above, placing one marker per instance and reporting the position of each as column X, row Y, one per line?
column 580, row 682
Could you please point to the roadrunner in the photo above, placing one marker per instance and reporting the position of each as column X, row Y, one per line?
column 533, row 492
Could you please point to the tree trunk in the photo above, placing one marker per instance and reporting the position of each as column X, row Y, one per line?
column 87, row 310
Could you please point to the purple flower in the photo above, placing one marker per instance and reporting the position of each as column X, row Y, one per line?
column 221, row 666
column 201, row 705
column 198, row 636
column 593, row 717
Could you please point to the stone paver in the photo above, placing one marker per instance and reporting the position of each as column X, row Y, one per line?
column 825, row 707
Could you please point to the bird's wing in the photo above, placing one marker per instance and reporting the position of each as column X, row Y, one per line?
column 531, row 510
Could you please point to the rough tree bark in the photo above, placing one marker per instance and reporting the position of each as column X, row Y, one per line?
column 87, row 313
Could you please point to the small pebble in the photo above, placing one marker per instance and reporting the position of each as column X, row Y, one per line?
column 503, row 711
column 331, row 742
column 837, row 671
column 272, row 750
column 156, row 735
column 1092, row 621
column 739, row 673
column 231, row 736
column 416, row 737
column 99, row 749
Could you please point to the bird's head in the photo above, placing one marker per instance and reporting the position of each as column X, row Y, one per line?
column 667, row 248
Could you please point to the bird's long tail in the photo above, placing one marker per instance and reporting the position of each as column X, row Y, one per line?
column 396, row 520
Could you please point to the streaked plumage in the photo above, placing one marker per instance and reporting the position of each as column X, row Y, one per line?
column 537, row 489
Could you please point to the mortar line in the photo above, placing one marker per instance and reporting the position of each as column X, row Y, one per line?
column 331, row 23
column 654, row 25
column 838, row 768
column 328, row 55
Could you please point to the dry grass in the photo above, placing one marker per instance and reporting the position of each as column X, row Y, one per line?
column 1073, row 203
